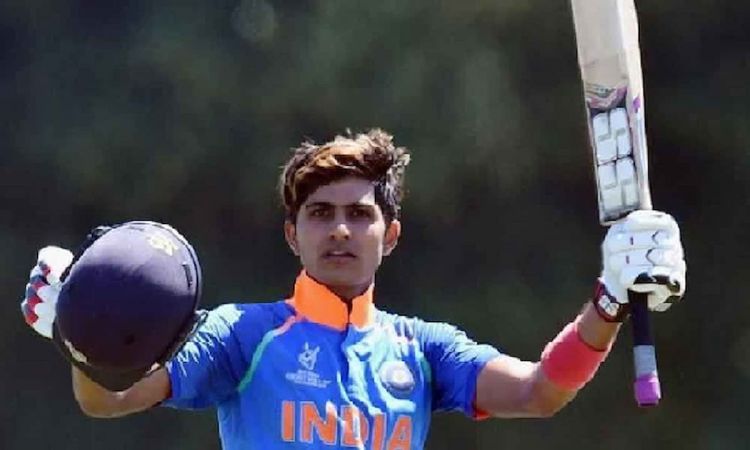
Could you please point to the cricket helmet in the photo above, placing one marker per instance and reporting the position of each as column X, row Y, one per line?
column 128, row 302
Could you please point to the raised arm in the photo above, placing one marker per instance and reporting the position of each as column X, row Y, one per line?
column 641, row 253
column 509, row 387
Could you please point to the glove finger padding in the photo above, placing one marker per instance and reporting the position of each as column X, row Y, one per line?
column 653, row 257
column 43, row 327
column 643, row 220
column 662, row 284
column 40, row 299
column 619, row 241
column 45, row 311
column 48, row 294
column 646, row 279
column 38, row 315
column 52, row 262
column 643, row 253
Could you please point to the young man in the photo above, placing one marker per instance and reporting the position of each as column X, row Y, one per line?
column 327, row 368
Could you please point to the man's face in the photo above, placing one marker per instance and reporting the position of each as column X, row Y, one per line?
column 341, row 235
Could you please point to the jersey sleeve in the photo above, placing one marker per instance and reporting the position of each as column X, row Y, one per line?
column 455, row 361
column 210, row 366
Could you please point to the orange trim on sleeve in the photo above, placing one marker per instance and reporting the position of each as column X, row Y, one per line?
column 480, row 414
column 317, row 303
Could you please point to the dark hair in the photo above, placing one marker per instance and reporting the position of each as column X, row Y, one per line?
column 371, row 156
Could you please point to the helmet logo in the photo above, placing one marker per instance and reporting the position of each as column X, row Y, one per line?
column 161, row 242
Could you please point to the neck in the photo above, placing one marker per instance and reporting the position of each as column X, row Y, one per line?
column 347, row 293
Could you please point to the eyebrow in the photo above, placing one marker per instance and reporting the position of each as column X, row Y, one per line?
column 329, row 204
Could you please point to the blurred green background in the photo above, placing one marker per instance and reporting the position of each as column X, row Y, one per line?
column 183, row 112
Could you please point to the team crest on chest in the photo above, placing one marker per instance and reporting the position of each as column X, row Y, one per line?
column 397, row 377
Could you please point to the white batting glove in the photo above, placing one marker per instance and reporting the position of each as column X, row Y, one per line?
column 40, row 301
column 643, row 253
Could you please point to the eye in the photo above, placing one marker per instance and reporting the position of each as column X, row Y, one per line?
column 319, row 212
column 361, row 213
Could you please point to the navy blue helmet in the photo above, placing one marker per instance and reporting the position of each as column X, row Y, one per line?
column 128, row 302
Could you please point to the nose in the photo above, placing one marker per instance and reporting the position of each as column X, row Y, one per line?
column 340, row 231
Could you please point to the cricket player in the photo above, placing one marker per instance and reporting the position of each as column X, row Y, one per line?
column 324, row 367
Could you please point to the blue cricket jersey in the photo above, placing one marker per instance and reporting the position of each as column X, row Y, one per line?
column 311, row 372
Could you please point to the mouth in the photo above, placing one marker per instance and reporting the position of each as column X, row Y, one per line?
column 339, row 255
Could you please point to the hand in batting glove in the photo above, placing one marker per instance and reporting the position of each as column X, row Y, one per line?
column 642, row 253
column 43, row 288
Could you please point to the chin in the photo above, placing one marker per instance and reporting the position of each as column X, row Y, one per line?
column 332, row 277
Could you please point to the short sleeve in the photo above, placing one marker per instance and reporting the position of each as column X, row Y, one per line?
column 455, row 361
column 208, row 369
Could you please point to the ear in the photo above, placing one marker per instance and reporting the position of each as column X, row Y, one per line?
column 391, row 237
column 290, row 234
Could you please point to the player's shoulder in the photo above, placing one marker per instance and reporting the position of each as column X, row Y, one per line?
column 262, row 315
column 416, row 327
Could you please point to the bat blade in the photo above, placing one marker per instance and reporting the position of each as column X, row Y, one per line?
column 610, row 63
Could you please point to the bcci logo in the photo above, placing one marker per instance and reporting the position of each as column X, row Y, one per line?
column 397, row 377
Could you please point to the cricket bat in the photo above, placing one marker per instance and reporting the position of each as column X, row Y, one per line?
column 610, row 63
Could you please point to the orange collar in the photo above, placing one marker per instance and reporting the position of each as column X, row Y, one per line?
column 316, row 303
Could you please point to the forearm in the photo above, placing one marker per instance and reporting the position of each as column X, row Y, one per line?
column 95, row 401
column 509, row 387
column 595, row 331
column 549, row 397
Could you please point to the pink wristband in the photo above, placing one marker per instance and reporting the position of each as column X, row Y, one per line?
column 569, row 362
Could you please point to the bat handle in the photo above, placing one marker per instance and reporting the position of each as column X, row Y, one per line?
column 646, row 386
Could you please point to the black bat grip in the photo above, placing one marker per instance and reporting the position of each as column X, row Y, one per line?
column 646, row 386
